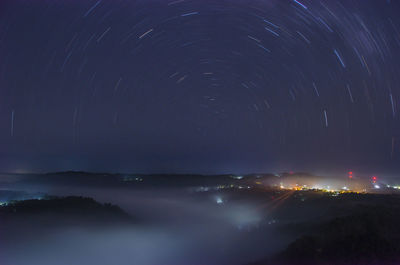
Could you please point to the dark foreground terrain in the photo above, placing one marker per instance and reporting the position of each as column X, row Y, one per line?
column 216, row 222
column 34, row 218
column 368, row 232
column 371, row 235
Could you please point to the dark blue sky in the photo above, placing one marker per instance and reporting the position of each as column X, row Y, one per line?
column 200, row 86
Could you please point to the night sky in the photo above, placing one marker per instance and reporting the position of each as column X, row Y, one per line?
column 201, row 86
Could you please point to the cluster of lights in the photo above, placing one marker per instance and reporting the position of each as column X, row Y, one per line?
column 232, row 186
column 220, row 187
column 131, row 178
column 328, row 189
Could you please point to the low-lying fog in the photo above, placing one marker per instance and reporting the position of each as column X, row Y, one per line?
column 176, row 226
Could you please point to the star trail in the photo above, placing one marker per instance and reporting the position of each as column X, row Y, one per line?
column 204, row 86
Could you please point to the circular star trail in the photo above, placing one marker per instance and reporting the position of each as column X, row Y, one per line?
column 199, row 86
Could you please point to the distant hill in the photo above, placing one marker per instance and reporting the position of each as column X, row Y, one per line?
column 72, row 172
column 81, row 178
